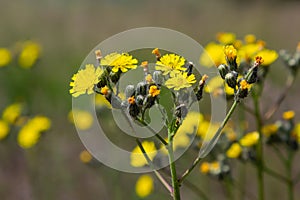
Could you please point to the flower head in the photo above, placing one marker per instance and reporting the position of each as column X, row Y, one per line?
column 259, row 60
column 12, row 112
column 85, row 80
column 234, row 151
column 213, row 55
column 230, row 52
column 156, row 52
column 29, row 55
column 269, row 56
column 226, row 38
column 131, row 100
column 4, row 129
column 250, row 139
column 244, row 85
column 269, row 129
column 288, row 115
column 180, row 80
column 154, row 91
column 204, row 167
column 5, row 57
column 250, row 38
column 137, row 158
column 170, row 64
column 81, row 118
column 85, row 156
column 118, row 62
column 104, row 90
column 144, row 186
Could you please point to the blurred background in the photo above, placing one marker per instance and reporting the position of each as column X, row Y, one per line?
column 67, row 31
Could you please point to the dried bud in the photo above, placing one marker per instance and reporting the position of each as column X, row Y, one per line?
column 98, row 55
column 223, row 70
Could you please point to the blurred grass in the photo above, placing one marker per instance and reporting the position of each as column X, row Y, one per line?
column 67, row 31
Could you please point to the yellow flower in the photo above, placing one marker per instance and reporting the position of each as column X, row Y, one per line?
column 269, row 129
column 154, row 91
column 84, row 80
column 170, row 64
column 216, row 84
column 226, row 38
column 144, row 186
column 230, row 52
column 204, row 167
column 148, row 78
column 131, row 100
column 250, row 139
column 288, row 115
column 4, row 129
column 268, row 55
column 180, row 81
column 215, row 167
column 12, row 112
column 85, row 156
column 234, row 151
column 5, row 57
column 101, row 101
column 250, row 38
column 156, row 52
column 137, row 158
column 29, row 55
column 40, row 123
column 244, row 85
column 81, row 118
column 297, row 132
column 247, row 52
column 104, row 90
column 118, row 62
column 213, row 55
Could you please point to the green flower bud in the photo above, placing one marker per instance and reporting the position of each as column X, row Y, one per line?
column 252, row 78
column 230, row 79
column 141, row 88
column 114, row 77
column 223, row 70
column 158, row 77
column 133, row 110
column 129, row 91
column 139, row 100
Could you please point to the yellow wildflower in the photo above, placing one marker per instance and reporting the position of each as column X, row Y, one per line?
column 85, row 156
column 216, row 84
column 29, row 54
column 5, row 57
column 81, row 118
column 84, row 80
column 269, row 129
column 12, row 112
column 4, row 129
column 247, row 52
column 297, row 132
column 250, row 139
column 154, row 91
column 213, row 55
column 244, row 85
column 230, row 52
column 226, row 38
column 269, row 56
column 204, row 167
column 40, row 123
column 234, row 151
column 180, row 81
column 170, row 64
column 148, row 78
column 118, row 62
column 288, row 115
column 131, row 100
column 250, row 38
column 215, row 167
column 137, row 158
column 104, row 90
column 144, row 186
column 156, row 52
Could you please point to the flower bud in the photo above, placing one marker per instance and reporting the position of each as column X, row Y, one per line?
column 139, row 100
column 133, row 110
column 181, row 111
column 141, row 88
column 252, row 78
column 129, row 91
column 230, row 79
column 223, row 70
column 114, row 77
column 158, row 77
column 189, row 69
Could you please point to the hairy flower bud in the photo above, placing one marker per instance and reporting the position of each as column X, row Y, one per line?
column 141, row 88
column 129, row 91
column 158, row 77
column 230, row 79
column 223, row 70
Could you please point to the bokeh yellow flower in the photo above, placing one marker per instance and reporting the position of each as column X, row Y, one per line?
column 204, row 167
column 216, row 86
column 85, row 156
column 288, row 115
column 269, row 129
column 230, row 52
column 101, row 101
column 213, row 55
column 29, row 54
column 234, row 151
column 180, row 80
column 250, row 38
column 4, row 129
column 170, row 64
column 5, row 57
column 226, row 38
column 250, row 139
column 297, row 132
column 81, row 118
column 84, row 80
column 144, row 186
column 118, row 62
column 12, row 112
column 268, row 55
column 137, row 158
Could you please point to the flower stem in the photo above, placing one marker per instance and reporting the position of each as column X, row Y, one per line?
column 289, row 165
column 198, row 159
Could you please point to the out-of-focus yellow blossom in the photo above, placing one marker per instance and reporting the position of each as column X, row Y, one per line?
column 81, row 118
column 137, row 158
column 29, row 54
column 288, row 115
column 181, row 140
column 154, row 91
column 231, row 135
column 4, row 129
column 204, row 167
column 230, row 52
column 297, row 132
column 244, row 85
column 118, row 62
column 216, row 84
column 250, row 38
column 269, row 56
column 170, row 64
column 238, row 44
column 226, row 38
column 148, row 78
column 213, row 55
column 269, row 129
column 144, row 186
column 84, row 80
column 247, row 52
column 101, row 101
column 30, row 133
column 181, row 80
column 250, row 139
column 12, row 112
column 215, row 167
column 234, row 151
column 5, row 57
column 207, row 130
column 191, row 122
column 85, row 156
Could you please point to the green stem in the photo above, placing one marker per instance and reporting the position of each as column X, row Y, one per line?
column 175, row 183
column 289, row 165
column 228, row 187
column 198, row 159
column 276, row 175
column 259, row 146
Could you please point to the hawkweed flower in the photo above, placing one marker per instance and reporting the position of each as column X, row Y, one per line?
column 180, row 80
column 4, row 129
column 144, row 186
column 231, row 56
column 12, row 112
column 156, row 53
column 234, row 150
column 119, row 62
column 83, row 119
column 5, row 57
column 269, row 56
column 85, row 80
column 226, row 38
column 250, row 38
column 213, row 56
column 288, row 115
column 29, row 54
column 170, row 64
column 250, row 139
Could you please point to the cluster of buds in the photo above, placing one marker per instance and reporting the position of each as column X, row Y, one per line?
column 218, row 168
column 229, row 73
column 291, row 61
